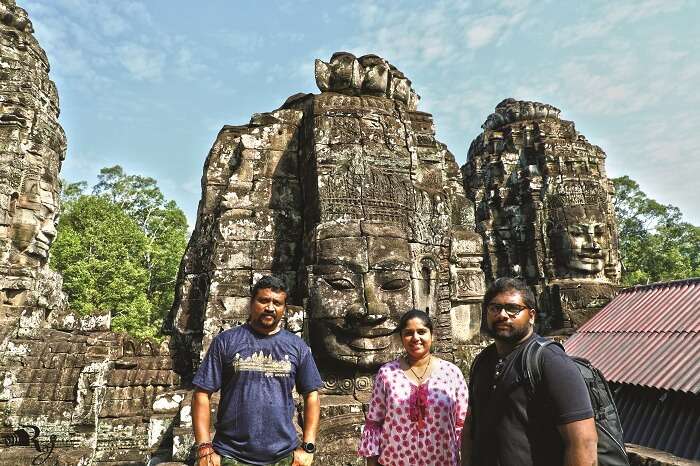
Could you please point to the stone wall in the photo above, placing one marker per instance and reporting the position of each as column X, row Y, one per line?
column 89, row 396
column 642, row 456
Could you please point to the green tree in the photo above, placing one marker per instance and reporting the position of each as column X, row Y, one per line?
column 163, row 223
column 655, row 243
column 119, row 249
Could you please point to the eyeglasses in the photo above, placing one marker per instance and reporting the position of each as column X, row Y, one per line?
column 511, row 309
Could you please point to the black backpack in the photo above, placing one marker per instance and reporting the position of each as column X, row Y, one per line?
column 611, row 446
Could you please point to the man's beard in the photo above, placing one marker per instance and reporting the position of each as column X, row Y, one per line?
column 513, row 336
column 262, row 321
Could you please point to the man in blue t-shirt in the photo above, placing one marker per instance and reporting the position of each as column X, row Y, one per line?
column 256, row 367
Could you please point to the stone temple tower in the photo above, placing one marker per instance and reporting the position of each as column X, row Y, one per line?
column 544, row 208
column 348, row 196
column 71, row 391
column 32, row 147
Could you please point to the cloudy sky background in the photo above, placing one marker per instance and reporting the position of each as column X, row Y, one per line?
column 148, row 84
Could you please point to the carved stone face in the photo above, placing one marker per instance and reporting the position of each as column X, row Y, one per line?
column 33, row 226
column 360, row 285
column 584, row 245
column 376, row 74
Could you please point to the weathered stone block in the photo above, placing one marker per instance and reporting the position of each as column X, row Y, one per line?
column 231, row 254
column 326, row 158
column 230, row 283
column 279, row 164
column 337, row 130
column 340, row 251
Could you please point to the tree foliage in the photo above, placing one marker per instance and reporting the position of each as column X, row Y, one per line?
column 655, row 243
column 119, row 249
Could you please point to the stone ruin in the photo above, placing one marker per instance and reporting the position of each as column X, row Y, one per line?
column 544, row 208
column 32, row 147
column 348, row 196
column 71, row 391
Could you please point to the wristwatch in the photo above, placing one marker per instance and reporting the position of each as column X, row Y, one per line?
column 308, row 447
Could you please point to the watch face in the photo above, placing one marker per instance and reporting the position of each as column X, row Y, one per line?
column 308, row 447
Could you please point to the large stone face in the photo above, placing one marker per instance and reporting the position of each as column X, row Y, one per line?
column 349, row 197
column 543, row 203
column 32, row 146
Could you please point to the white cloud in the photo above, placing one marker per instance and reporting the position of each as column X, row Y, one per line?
column 610, row 15
column 660, row 154
column 618, row 79
column 141, row 62
column 492, row 28
column 434, row 36
column 91, row 43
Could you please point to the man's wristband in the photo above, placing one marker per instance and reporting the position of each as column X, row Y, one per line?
column 202, row 447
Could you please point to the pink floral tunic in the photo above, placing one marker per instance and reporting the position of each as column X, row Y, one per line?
column 415, row 425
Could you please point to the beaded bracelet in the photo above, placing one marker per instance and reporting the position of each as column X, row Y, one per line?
column 203, row 446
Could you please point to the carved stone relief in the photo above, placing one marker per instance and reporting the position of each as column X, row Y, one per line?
column 544, row 209
column 32, row 147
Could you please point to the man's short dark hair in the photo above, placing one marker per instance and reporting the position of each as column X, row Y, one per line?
column 505, row 285
column 271, row 282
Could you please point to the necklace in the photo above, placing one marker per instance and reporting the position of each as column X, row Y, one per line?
column 420, row 377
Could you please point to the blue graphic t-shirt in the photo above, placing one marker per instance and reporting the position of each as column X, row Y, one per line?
column 256, row 374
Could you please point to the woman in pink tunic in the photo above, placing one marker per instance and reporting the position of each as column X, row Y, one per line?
column 418, row 406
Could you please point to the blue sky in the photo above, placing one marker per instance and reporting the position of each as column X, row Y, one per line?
column 148, row 84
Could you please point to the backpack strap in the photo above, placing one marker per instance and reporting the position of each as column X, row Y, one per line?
column 532, row 363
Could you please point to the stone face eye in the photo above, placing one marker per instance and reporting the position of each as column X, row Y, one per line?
column 340, row 283
column 395, row 285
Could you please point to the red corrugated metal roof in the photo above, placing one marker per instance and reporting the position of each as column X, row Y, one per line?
column 647, row 335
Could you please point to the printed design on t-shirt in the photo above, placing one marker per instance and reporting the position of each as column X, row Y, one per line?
column 259, row 362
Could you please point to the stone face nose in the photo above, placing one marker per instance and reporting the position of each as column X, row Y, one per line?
column 590, row 236
column 49, row 230
column 375, row 310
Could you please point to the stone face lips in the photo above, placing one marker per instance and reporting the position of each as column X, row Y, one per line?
column 543, row 207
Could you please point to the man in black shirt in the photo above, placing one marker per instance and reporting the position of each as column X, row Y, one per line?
column 507, row 425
